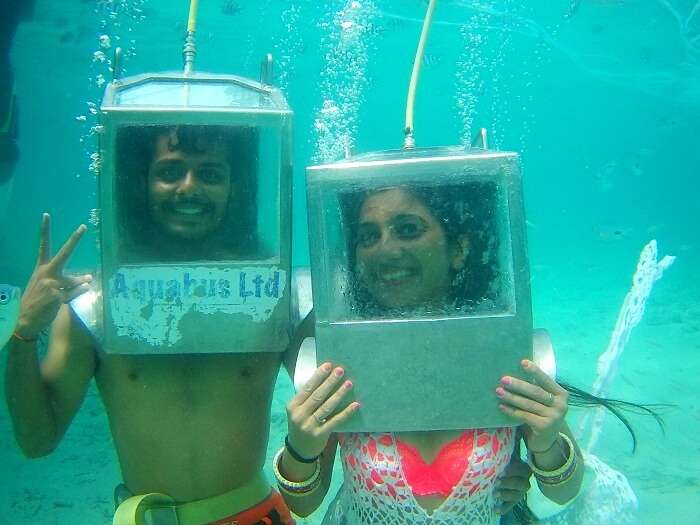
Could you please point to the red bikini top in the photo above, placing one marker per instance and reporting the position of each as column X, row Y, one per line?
column 446, row 470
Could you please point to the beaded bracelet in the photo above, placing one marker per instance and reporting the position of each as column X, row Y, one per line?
column 560, row 475
column 295, row 488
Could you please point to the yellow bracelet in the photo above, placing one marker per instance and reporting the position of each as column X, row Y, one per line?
column 295, row 488
column 560, row 475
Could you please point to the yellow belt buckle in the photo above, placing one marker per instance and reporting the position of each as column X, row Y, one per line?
column 166, row 515
column 147, row 509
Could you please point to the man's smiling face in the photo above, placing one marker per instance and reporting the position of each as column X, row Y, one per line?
column 189, row 191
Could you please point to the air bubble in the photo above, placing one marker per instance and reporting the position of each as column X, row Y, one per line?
column 348, row 37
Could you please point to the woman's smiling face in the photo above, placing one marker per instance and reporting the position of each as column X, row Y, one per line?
column 402, row 253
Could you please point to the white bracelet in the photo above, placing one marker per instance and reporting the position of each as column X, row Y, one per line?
column 295, row 488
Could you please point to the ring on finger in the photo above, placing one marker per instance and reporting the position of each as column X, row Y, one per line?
column 550, row 399
column 320, row 420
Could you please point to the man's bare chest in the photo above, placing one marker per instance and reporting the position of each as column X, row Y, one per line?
column 188, row 379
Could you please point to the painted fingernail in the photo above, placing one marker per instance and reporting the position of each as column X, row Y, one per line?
column 500, row 392
column 506, row 380
column 526, row 363
column 502, row 407
column 339, row 372
column 356, row 406
column 326, row 367
column 348, row 384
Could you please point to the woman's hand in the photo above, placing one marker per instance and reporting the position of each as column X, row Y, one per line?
column 512, row 485
column 540, row 405
column 311, row 414
column 48, row 287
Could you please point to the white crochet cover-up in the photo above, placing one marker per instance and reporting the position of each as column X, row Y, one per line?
column 375, row 490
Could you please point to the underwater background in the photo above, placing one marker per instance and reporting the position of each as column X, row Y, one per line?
column 600, row 97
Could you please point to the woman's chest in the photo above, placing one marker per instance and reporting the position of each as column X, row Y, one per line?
column 391, row 469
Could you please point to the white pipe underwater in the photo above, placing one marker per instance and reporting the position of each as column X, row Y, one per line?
column 409, row 141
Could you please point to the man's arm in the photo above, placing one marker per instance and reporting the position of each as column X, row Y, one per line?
column 43, row 397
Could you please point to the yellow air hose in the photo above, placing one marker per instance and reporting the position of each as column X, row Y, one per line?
column 409, row 142
column 192, row 20
column 190, row 47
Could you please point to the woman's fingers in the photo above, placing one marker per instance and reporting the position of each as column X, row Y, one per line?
column 512, row 486
column 316, row 391
column 541, row 379
column 322, row 392
column 517, row 388
column 516, row 469
column 323, row 412
column 544, row 398
column 541, row 406
column 523, row 402
column 318, row 377
column 503, row 506
column 311, row 414
column 525, row 416
column 341, row 417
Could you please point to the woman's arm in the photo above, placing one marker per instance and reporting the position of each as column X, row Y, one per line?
column 542, row 406
column 305, row 465
column 555, row 458
column 304, row 504
column 513, row 483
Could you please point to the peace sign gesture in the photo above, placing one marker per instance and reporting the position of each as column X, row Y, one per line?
column 48, row 288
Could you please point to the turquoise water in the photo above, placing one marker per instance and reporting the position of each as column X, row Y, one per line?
column 603, row 105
